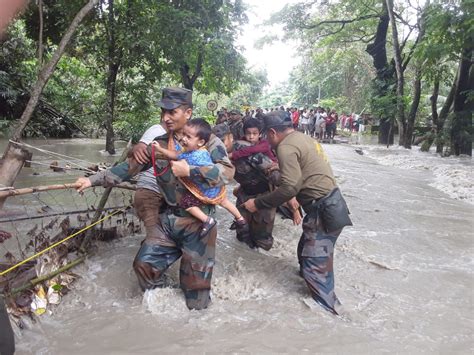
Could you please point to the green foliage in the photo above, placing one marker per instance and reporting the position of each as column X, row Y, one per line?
column 151, row 42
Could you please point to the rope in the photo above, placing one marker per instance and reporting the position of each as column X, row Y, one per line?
column 54, row 154
column 60, row 167
column 58, row 243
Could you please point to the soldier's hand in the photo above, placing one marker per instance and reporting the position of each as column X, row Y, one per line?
column 293, row 204
column 82, row 183
column 297, row 218
column 140, row 153
column 250, row 205
column 180, row 168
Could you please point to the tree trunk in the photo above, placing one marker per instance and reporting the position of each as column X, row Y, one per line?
column 434, row 102
column 12, row 162
column 377, row 49
column 114, row 58
column 384, row 73
column 110, row 135
column 414, row 108
column 434, row 117
column 187, row 80
column 461, row 130
column 40, row 36
column 386, row 132
column 7, row 174
column 400, row 76
column 443, row 115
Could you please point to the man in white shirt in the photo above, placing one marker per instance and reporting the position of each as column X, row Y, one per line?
column 148, row 198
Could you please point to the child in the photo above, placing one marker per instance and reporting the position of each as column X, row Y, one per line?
column 252, row 131
column 196, row 134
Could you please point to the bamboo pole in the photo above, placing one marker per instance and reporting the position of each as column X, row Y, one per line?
column 35, row 281
column 4, row 218
column 30, row 190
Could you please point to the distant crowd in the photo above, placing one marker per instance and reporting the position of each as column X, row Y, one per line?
column 321, row 123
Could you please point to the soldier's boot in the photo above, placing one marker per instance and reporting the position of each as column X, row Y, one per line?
column 264, row 243
column 197, row 299
column 243, row 234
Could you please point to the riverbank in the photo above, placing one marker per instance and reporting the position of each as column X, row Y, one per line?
column 403, row 273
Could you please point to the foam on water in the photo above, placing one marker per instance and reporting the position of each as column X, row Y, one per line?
column 452, row 175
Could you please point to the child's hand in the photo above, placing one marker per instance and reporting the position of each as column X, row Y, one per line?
column 157, row 146
column 160, row 152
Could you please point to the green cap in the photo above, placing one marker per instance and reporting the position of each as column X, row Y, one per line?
column 221, row 130
column 277, row 119
column 174, row 97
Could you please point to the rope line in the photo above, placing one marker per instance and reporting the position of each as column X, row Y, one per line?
column 61, row 167
column 59, row 242
column 54, row 154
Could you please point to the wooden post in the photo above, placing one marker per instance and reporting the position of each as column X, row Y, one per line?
column 12, row 163
column 101, row 205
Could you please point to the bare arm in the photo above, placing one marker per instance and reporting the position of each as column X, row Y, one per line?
column 170, row 154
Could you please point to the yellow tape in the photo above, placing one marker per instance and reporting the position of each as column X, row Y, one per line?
column 58, row 243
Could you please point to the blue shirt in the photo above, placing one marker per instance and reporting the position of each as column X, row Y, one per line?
column 200, row 157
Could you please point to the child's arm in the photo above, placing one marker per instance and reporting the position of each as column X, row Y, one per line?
column 172, row 155
column 260, row 147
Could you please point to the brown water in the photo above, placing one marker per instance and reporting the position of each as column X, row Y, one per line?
column 403, row 273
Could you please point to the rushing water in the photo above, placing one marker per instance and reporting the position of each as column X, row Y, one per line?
column 403, row 273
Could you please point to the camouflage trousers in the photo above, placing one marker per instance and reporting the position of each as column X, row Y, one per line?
column 175, row 237
column 147, row 205
column 316, row 256
column 260, row 224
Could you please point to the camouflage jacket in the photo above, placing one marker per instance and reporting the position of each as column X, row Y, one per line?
column 237, row 129
column 256, row 173
column 171, row 187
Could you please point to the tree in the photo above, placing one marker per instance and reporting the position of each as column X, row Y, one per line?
column 197, row 41
column 13, row 156
column 448, row 41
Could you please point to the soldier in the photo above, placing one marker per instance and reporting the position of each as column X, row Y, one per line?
column 256, row 174
column 236, row 124
column 306, row 174
column 177, row 234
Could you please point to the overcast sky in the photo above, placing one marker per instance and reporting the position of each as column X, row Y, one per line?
column 278, row 59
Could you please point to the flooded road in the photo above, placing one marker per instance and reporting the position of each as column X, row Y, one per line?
column 403, row 273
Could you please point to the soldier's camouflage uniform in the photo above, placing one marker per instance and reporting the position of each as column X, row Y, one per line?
column 237, row 129
column 255, row 174
column 177, row 234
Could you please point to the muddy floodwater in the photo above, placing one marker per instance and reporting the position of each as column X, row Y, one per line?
column 404, row 273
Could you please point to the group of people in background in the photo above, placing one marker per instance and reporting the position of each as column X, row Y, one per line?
column 320, row 123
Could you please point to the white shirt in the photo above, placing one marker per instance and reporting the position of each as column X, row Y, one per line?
column 146, row 179
column 304, row 118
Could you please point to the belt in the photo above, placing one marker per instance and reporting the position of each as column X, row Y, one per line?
column 181, row 212
column 317, row 202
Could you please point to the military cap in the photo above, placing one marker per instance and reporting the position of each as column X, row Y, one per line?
column 235, row 112
column 221, row 130
column 174, row 97
column 277, row 119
